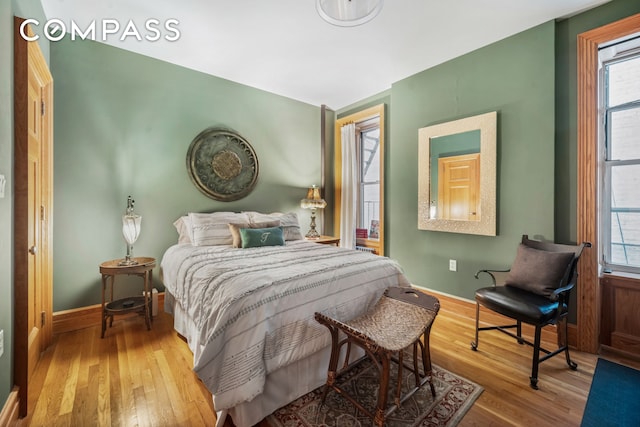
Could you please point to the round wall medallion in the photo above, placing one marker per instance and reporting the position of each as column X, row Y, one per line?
column 222, row 164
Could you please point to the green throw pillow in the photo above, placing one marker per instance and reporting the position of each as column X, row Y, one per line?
column 256, row 237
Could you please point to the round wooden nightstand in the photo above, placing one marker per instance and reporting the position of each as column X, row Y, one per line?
column 141, row 304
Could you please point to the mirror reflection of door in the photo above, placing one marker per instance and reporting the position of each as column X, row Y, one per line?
column 455, row 176
column 451, row 186
column 459, row 187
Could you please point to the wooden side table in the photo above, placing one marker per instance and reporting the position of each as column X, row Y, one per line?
column 327, row 240
column 141, row 304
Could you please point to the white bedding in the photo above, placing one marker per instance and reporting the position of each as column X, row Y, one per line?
column 250, row 311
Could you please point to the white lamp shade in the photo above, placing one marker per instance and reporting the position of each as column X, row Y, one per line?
column 131, row 227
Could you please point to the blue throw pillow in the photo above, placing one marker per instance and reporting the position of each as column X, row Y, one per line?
column 256, row 237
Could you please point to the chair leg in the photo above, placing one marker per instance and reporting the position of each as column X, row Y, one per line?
column 396, row 399
column 519, row 332
column 333, row 363
column 382, row 391
column 416, row 371
column 474, row 344
column 563, row 343
column 426, row 360
column 536, row 358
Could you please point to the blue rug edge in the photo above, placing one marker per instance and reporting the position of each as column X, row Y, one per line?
column 612, row 399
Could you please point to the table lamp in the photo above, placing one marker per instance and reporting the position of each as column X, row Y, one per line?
column 313, row 201
column 131, row 222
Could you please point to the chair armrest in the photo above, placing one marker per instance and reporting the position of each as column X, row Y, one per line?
column 490, row 273
column 554, row 295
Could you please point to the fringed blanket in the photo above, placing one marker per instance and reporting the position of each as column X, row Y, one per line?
column 253, row 308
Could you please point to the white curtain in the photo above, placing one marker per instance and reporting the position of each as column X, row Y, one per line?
column 348, row 200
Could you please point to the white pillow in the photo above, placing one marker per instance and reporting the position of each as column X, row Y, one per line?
column 212, row 229
column 288, row 222
column 183, row 226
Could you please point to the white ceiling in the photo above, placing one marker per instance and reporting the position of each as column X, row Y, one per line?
column 284, row 47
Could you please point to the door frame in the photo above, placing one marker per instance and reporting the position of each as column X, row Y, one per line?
column 24, row 54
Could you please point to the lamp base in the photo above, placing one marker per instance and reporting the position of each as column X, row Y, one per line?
column 312, row 235
column 127, row 261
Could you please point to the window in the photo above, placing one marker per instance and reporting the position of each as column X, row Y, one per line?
column 369, row 182
column 620, row 155
column 368, row 137
column 589, row 226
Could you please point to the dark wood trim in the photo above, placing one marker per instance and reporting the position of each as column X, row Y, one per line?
column 28, row 59
column 606, row 350
column 572, row 335
column 327, row 122
column 20, row 216
column 619, row 319
column 77, row 318
column 622, row 281
column 606, row 322
column 628, row 343
column 587, row 200
column 9, row 413
column 323, row 148
column 87, row 317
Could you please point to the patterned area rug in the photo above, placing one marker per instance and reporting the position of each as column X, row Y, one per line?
column 454, row 396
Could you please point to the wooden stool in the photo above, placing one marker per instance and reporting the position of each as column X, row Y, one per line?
column 398, row 320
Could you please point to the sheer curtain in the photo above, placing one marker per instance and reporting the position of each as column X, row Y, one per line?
column 348, row 200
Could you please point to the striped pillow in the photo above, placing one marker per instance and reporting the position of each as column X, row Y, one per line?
column 212, row 229
column 288, row 221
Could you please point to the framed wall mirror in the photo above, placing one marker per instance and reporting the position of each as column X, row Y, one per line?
column 457, row 176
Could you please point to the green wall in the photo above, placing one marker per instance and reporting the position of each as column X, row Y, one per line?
column 566, row 165
column 25, row 9
column 123, row 124
column 514, row 77
column 566, row 169
column 530, row 79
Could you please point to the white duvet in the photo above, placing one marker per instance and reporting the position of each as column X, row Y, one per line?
column 253, row 308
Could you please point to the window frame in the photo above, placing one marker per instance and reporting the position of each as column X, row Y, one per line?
column 362, row 127
column 378, row 245
column 588, row 288
column 606, row 164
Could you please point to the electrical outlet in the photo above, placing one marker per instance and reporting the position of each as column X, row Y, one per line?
column 1, row 342
column 453, row 265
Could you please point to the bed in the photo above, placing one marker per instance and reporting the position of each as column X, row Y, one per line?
column 247, row 312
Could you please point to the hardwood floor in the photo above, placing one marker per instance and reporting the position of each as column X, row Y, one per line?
column 132, row 377
column 135, row 377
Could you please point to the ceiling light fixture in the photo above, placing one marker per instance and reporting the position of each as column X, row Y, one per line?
column 348, row 13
